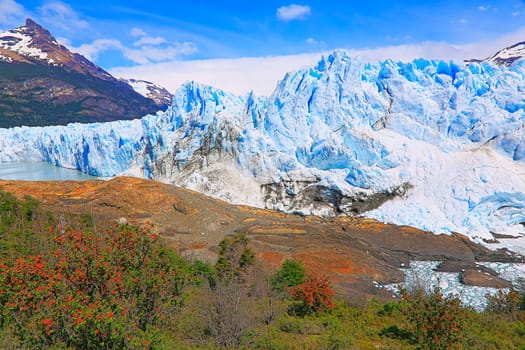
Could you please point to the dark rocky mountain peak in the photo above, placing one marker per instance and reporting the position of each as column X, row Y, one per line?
column 36, row 31
column 43, row 83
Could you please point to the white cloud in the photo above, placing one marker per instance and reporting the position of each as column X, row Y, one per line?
column 311, row 41
column 239, row 75
column 488, row 48
column 11, row 13
column 62, row 15
column 65, row 41
column 293, row 12
column 143, row 55
column 261, row 74
column 315, row 44
column 151, row 49
column 152, row 54
column 92, row 50
column 149, row 40
column 137, row 32
column 398, row 38
column 483, row 8
column 145, row 39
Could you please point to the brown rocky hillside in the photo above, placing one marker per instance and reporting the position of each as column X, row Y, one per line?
column 354, row 252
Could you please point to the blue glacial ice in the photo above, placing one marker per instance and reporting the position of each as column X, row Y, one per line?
column 453, row 131
column 421, row 274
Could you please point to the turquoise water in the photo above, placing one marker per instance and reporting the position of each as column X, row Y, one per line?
column 39, row 171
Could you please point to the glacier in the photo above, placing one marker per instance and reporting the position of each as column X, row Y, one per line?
column 431, row 144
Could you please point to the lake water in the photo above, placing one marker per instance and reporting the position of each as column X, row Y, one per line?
column 39, row 171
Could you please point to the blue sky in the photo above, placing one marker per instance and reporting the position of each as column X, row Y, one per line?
column 133, row 34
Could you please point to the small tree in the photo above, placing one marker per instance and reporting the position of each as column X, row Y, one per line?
column 235, row 258
column 227, row 309
column 291, row 274
column 227, row 312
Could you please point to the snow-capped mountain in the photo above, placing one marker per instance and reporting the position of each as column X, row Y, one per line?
column 160, row 95
column 34, row 44
column 506, row 56
column 432, row 144
column 43, row 83
column 509, row 55
column 17, row 44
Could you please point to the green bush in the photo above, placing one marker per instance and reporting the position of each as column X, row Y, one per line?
column 505, row 303
column 291, row 274
column 292, row 325
column 436, row 321
column 389, row 308
column 396, row 332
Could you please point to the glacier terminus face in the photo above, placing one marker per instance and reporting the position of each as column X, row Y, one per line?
column 432, row 144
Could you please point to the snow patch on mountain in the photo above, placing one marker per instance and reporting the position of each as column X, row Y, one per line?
column 160, row 95
column 15, row 40
column 509, row 55
column 140, row 86
column 514, row 51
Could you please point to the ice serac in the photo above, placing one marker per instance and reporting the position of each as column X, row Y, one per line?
column 432, row 144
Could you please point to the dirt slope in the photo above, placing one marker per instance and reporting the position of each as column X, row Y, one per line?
column 354, row 252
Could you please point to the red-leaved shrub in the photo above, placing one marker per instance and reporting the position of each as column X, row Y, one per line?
column 314, row 295
column 108, row 290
